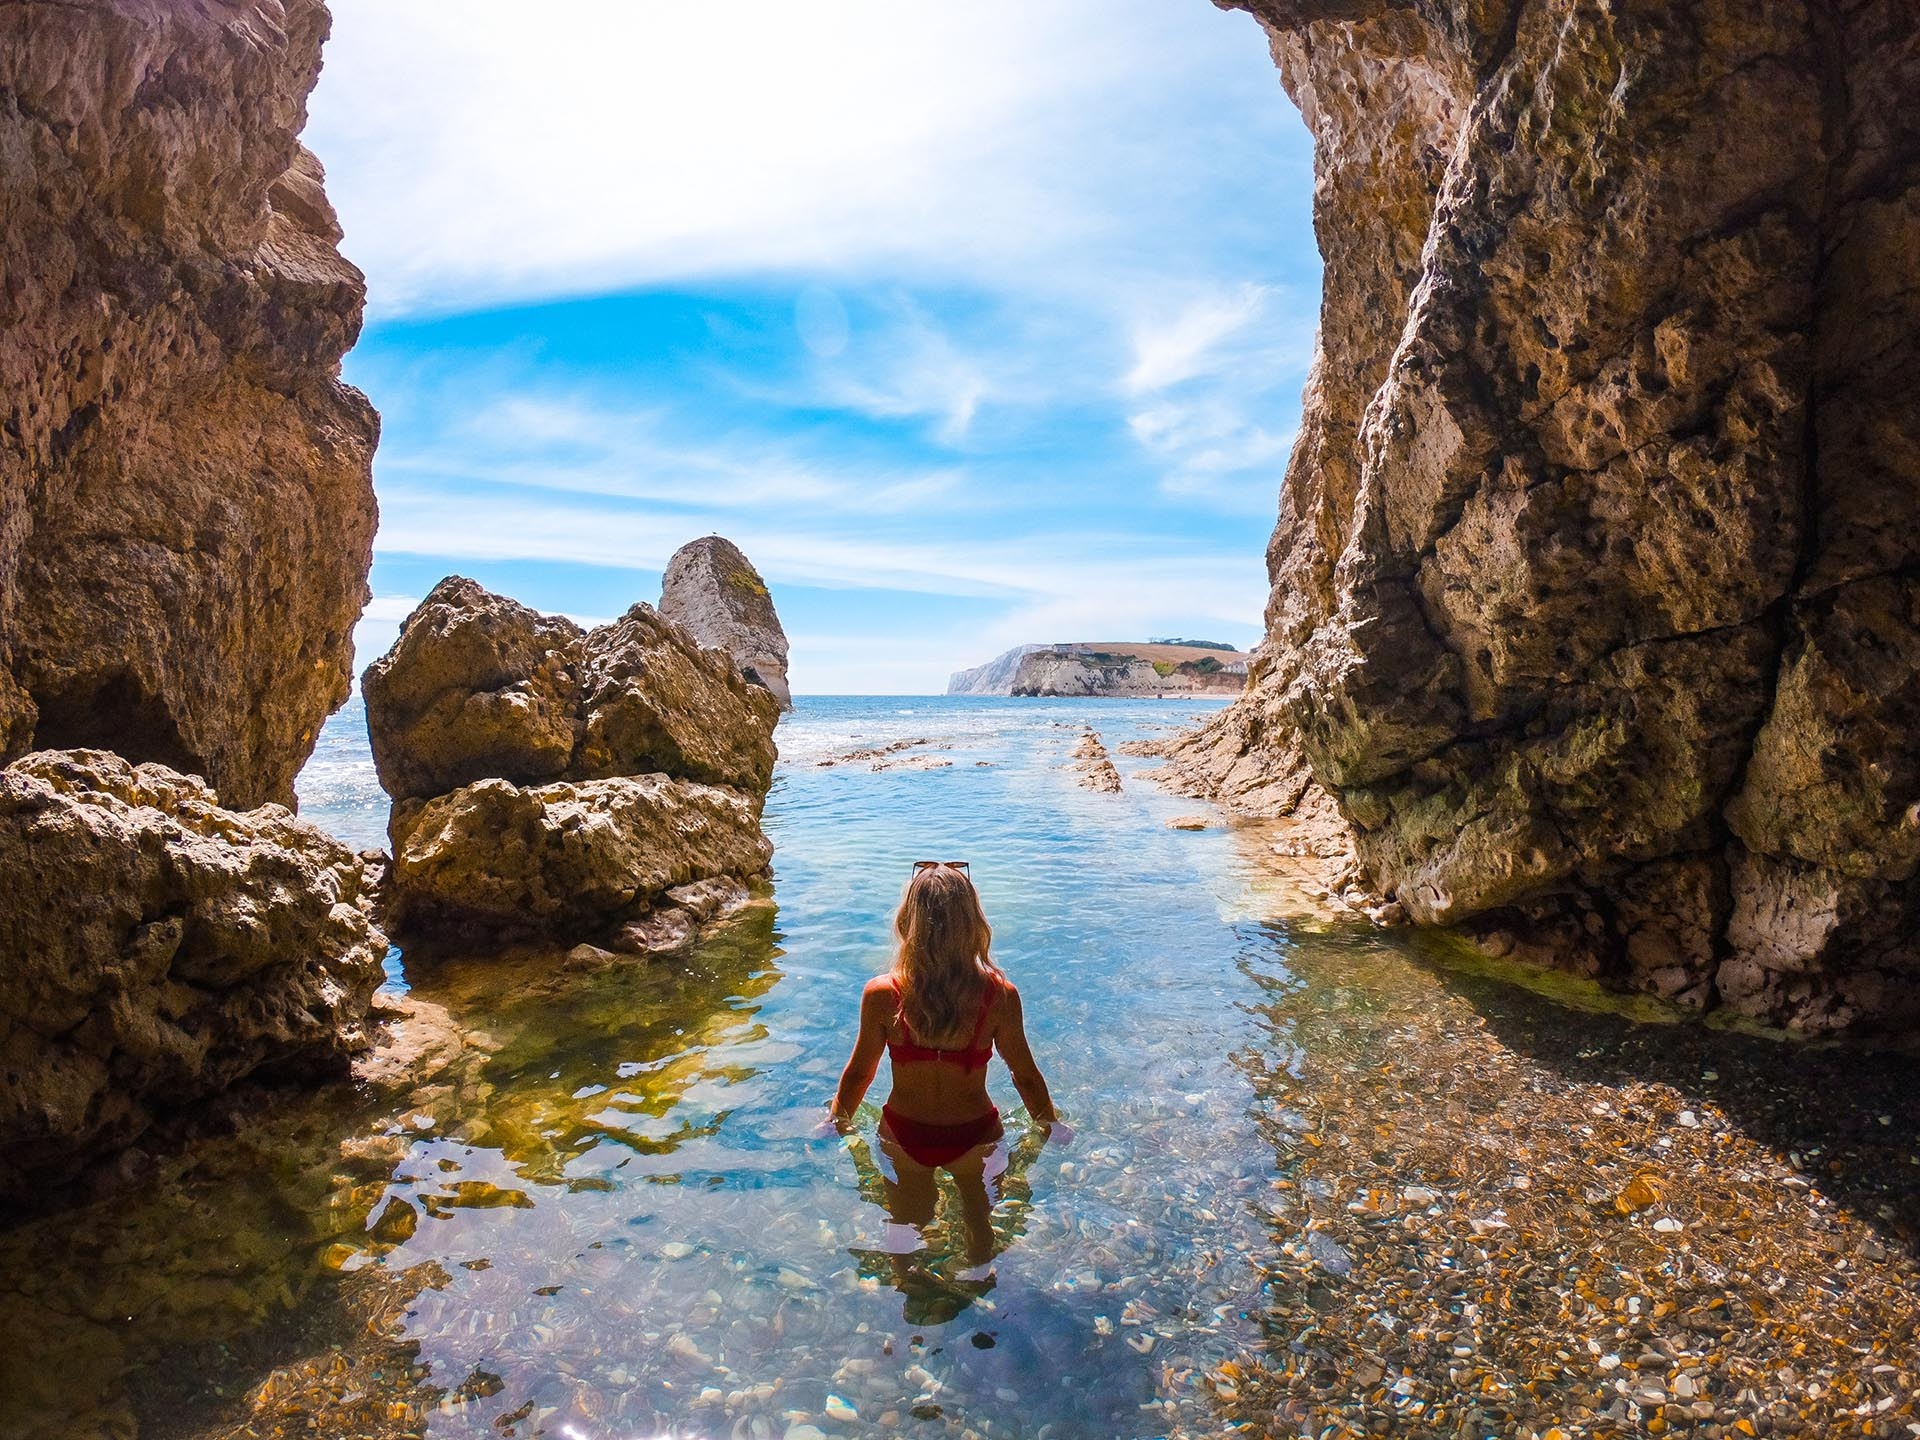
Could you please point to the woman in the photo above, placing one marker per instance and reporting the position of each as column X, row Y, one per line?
column 940, row 1013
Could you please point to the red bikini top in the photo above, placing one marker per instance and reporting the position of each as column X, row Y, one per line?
column 974, row 1057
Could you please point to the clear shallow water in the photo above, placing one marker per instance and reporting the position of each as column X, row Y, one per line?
column 625, row 1203
column 611, row 1216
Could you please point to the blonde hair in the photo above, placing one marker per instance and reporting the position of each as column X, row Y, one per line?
column 942, row 965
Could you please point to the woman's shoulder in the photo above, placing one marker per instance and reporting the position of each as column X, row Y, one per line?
column 886, row 985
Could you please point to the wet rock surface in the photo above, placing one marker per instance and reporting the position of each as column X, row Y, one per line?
column 1590, row 598
column 160, row 948
column 1091, row 762
column 712, row 591
column 186, row 502
column 555, row 781
column 493, row 858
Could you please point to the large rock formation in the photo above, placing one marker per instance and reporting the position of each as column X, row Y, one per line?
column 556, row 782
column 568, row 858
column 712, row 592
column 1593, row 589
column 186, row 506
column 157, row 949
column 478, row 686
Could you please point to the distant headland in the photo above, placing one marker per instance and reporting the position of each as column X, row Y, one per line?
column 1109, row 668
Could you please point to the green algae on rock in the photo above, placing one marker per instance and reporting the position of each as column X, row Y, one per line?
column 711, row 591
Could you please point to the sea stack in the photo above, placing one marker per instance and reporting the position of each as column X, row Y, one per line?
column 556, row 783
column 1593, row 592
column 713, row 592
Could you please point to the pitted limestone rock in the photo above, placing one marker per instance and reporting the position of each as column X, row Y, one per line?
column 186, row 499
column 480, row 687
column 1588, row 597
column 160, row 948
column 555, row 782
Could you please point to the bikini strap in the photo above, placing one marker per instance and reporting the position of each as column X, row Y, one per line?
column 900, row 1008
column 991, row 993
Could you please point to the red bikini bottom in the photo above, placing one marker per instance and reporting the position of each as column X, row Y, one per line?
column 936, row 1145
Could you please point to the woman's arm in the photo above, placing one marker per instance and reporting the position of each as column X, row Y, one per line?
column 868, row 1046
column 1010, row 1034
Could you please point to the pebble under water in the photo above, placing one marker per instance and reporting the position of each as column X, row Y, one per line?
column 1324, row 1180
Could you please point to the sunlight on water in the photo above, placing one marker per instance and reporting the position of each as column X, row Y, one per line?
column 613, row 1215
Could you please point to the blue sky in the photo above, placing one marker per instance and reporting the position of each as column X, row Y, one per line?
column 970, row 328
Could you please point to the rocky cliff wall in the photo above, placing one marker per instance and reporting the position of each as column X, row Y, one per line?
column 186, row 507
column 993, row 678
column 1054, row 672
column 1595, row 600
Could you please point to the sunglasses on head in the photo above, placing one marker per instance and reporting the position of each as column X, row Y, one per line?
column 920, row 865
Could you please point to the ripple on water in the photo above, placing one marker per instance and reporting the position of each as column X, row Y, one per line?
column 613, row 1216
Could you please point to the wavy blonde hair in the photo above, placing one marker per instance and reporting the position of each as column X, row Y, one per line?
column 943, row 964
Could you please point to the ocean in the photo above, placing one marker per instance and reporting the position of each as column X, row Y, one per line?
column 1315, row 1174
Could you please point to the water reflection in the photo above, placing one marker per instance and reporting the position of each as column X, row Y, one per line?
column 928, row 1263
column 1316, row 1167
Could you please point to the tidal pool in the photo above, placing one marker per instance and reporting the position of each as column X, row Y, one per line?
column 1323, row 1181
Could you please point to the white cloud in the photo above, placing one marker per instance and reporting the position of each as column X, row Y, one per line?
column 585, row 444
column 1179, row 347
column 1010, row 224
column 494, row 148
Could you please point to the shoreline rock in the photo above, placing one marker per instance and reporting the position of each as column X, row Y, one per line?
column 563, row 784
column 186, row 497
column 162, row 948
column 1591, row 601
column 479, row 687
column 570, row 860
column 1093, row 765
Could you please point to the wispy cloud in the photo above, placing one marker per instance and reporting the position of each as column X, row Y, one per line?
column 1189, row 343
column 913, row 369
column 972, row 324
column 1215, row 447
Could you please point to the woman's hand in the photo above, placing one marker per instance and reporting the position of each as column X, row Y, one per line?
column 1056, row 1132
column 832, row 1123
